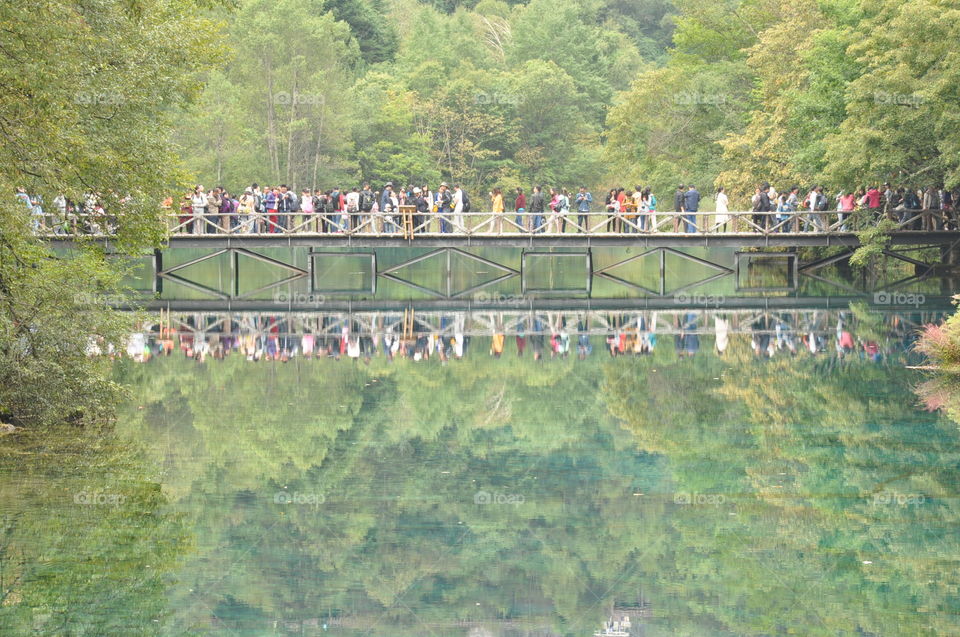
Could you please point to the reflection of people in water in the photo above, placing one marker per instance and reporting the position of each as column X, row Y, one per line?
column 521, row 336
column 845, row 344
column 785, row 339
column 647, row 334
column 686, row 342
column 814, row 342
column 584, row 348
column 288, row 337
column 721, row 328
column 760, row 337
column 536, row 339
column 559, row 337
column 497, row 340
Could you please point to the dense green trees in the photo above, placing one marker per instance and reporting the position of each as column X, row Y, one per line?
column 656, row 92
column 90, row 94
column 801, row 93
column 485, row 94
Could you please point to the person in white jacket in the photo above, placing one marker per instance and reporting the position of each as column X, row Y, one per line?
column 458, row 209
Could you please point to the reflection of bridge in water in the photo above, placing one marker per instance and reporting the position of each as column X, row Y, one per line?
column 476, row 323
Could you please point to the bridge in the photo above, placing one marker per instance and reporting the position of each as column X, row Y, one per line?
column 754, row 261
column 549, row 230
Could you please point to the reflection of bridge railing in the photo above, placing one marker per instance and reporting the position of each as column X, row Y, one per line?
column 493, row 303
column 410, row 224
column 822, row 323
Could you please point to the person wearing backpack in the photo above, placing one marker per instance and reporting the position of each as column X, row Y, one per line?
column 823, row 203
column 366, row 204
column 762, row 206
column 353, row 208
column 563, row 209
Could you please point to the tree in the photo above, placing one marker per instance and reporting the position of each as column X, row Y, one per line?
column 91, row 93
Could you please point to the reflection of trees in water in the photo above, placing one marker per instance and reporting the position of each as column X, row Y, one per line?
column 86, row 544
column 781, row 492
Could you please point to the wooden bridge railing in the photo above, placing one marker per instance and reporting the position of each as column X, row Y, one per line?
column 408, row 223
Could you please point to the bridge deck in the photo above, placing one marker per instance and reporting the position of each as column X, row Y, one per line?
column 657, row 240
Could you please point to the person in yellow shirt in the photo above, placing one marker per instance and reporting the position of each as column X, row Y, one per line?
column 496, row 199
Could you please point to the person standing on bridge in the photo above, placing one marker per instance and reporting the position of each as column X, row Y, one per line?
column 520, row 207
column 793, row 206
column 723, row 210
column 353, row 208
column 423, row 208
column 459, row 204
column 245, row 209
column 931, row 209
column 366, row 205
column 496, row 205
column 213, row 210
column 678, row 199
column 444, row 204
column 198, row 202
column 691, row 204
column 270, row 202
column 761, row 207
column 584, row 199
column 537, row 207
column 286, row 206
column 386, row 207
column 564, row 209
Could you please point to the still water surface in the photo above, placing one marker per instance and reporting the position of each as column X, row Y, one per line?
column 682, row 492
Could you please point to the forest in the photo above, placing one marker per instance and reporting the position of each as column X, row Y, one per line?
column 603, row 93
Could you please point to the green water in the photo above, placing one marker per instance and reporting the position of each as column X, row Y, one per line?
column 712, row 495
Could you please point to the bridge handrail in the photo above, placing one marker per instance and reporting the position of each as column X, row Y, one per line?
column 489, row 224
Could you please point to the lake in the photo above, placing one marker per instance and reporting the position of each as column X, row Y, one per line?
column 501, row 471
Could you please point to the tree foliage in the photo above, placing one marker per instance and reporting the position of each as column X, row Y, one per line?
column 91, row 91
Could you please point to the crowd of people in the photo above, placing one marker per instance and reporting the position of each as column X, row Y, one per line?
column 421, row 209
column 555, row 210
column 556, row 335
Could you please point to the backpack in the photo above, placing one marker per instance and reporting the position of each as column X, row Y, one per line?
column 366, row 200
column 821, row 201
column 653, row 202
column 466, row 200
